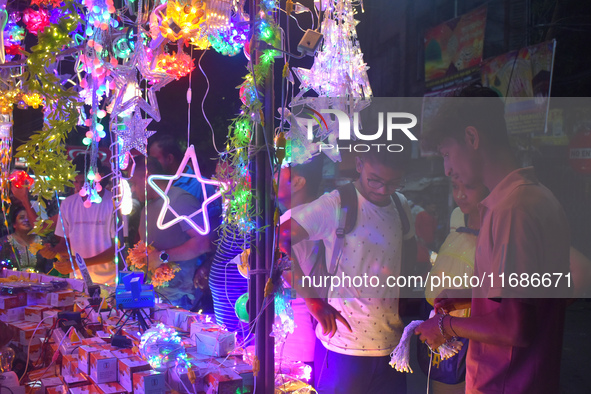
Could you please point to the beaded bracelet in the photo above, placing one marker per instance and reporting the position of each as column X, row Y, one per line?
column 442, row 331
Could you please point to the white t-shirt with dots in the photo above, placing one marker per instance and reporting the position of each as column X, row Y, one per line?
column 374, row 247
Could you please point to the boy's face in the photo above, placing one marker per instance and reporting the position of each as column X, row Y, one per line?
column 284, row 187
column 378, row 182
column 461, row 162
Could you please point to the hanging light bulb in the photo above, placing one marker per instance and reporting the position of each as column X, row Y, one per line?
column 126, row 202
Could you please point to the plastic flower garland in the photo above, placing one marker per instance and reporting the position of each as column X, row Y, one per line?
column 161, row 276
column 36, row 21
column 176, row 65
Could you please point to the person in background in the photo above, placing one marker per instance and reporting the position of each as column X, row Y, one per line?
column 425, row 227
column 456, row 258
column 20, row 247
column 515, row 339
column 415, row 209
column 353, row 357
column 90, row 231
column 179, row 243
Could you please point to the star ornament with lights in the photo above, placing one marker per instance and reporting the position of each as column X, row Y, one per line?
column 133, row 133
column 203, row 230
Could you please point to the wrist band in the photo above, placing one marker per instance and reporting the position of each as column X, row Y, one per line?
column 441, row 330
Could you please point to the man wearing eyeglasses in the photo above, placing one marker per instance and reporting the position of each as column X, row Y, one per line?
column 352, row 355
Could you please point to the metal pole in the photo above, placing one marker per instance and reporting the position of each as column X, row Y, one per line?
column 261, row 259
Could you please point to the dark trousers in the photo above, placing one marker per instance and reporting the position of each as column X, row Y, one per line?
column 340, row 373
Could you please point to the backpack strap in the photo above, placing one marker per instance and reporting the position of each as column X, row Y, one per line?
column 347, row 219
column 402, row 214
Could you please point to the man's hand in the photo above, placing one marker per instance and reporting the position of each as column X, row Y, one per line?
column 63, row 266
column 453, row 299
column 326, row 315
column 20, row 193
column 201, row 277
column 48, row 252
column 430, row 334
column 154, row 259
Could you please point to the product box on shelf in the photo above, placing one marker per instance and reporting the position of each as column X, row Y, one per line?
column 12, row 314
column 149, row 382
column 103, row 367
column 61, row 389
column 77, row 380
column 128, row 367
column 111, row 388
column 47, row 383
column 8, row 302
column 241, row 368
column 61, row 298
column 84, row 353
column 88, row 389
column 223, row 381
column 216, row 343
column 34, row 313
column 69, row 364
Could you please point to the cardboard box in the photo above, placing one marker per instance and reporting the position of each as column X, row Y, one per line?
column 27, row 329
column 12, row 315
column 241, row 368
column 128, row 367
column 120, row 352
column 21, row 299
column 149, row 382
column 8, row 302
column 46, row 383
column 50, row 313
column 103, row 367
column 61, row 298
column 88, row 389
column 62, row 389
column 84, row 357
column 179, row 380
column 69, row 364
column 112, row 388
column 77, row 380
column 34, row 313
column 93, row 341
column 214, row 343
column 223, row 381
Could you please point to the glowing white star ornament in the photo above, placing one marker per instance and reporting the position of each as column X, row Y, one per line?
column 134, row 134
column 189, row 155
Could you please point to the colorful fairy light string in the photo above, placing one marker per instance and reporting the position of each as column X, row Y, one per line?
column 163, row 348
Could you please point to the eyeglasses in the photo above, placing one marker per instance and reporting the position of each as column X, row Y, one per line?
column 395, row 185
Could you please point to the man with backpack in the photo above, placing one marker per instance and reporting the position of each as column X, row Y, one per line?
column 367, row 242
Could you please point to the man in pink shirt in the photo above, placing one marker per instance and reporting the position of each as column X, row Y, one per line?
column 515, row 338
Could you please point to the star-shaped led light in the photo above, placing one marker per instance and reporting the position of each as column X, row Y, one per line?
column 133, row 133
column 189, row 155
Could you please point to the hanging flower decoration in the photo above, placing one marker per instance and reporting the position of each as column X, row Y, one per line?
column 13, row 50
column 32, row 99
column 159, row 277
column 36, row 21
column 7, row 99
column 13, row 33
column 176, row 65
column 229, row 42
column 181, row 21
column 46, row 3
column 20, row 179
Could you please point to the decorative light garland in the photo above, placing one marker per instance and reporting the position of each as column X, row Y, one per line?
column 163, row 348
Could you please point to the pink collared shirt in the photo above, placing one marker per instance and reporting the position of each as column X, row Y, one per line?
column 523, row 230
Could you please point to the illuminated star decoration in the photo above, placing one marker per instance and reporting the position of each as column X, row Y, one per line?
column 134, row 134
column 189, row 155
